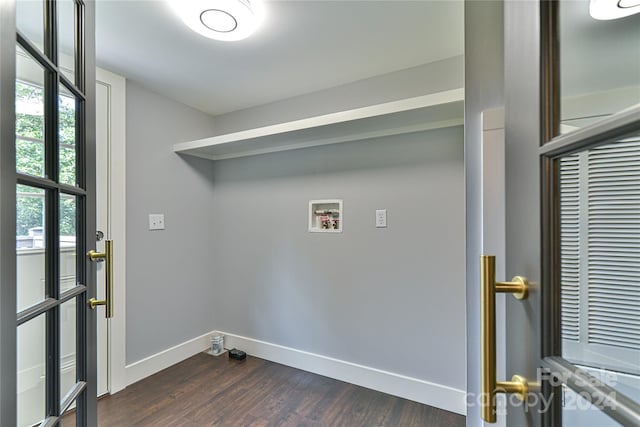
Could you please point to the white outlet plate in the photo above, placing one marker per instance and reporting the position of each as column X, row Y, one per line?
column 381, row 218
column 156, row 221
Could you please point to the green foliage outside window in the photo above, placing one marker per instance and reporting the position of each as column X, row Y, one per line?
column 30, row 159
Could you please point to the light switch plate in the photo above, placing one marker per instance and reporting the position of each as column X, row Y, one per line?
column 381, row 218
column 156, row 221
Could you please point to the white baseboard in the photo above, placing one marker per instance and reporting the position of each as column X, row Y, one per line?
column 166, row 358
column 432, row 394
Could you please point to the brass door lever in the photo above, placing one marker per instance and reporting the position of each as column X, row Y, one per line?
column 107, row 256
column 519, row 288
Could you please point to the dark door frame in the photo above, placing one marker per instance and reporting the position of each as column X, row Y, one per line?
column 8, row 304
column 83, row 89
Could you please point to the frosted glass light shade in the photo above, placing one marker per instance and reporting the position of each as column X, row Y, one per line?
column 613, row 9
column 227, row 20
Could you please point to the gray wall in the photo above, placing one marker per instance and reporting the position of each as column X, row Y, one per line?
column 363, row 295
column 421, row 80
column 236, row 255
column 169, row 277
column 484, row 89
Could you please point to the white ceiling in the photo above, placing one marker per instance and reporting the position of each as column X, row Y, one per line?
column 597, row 55
column 302, row 47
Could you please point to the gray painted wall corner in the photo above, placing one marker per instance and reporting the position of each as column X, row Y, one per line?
column 242, row 250
column 168, row 271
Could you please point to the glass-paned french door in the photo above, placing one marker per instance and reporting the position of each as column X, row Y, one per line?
column 54, row 211
column 591, row 175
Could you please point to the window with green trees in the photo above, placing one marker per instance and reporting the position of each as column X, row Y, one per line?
column 30, row 158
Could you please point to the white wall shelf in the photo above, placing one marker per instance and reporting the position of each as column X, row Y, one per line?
column 433, row 111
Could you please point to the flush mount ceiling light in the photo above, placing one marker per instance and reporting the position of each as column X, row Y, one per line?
column 613, row 9
column 227, row 20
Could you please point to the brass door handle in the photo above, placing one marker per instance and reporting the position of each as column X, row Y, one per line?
column 519, row 385
column 107, row 256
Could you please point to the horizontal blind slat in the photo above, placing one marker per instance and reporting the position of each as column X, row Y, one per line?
column 570, row 247
column 614, row 245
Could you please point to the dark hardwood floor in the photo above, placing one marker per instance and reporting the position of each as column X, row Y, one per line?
column 215, row 391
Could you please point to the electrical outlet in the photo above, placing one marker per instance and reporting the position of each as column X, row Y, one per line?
column 381, row 218
column 156, row 221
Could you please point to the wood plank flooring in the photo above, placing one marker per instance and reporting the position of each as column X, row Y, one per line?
column 215, row 391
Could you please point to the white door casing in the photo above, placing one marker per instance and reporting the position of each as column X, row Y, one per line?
column 494, row 226
column 111, row 219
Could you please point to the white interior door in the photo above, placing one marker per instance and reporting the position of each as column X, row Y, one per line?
column 110, row 220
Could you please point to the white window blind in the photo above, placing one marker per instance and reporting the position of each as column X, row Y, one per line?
column 600, row 256
column 569, row 246
column 614, row 245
